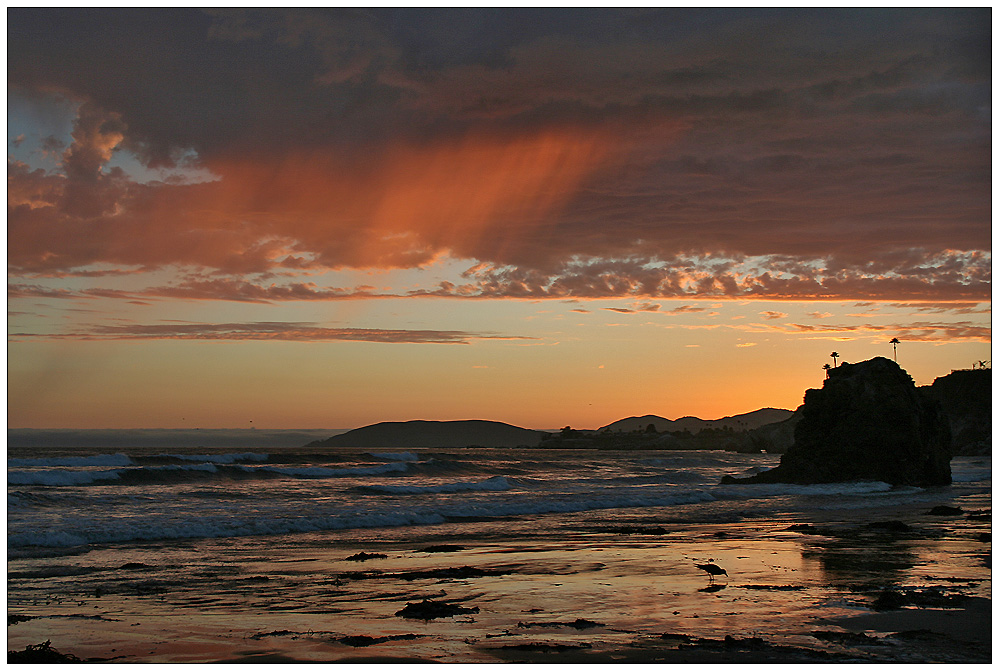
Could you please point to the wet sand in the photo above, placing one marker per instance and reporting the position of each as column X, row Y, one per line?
column 903, row 587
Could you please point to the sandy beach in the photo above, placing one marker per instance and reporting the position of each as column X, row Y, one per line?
column 908, row 587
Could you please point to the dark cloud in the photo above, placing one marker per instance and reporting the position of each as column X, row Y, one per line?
column 577, row 153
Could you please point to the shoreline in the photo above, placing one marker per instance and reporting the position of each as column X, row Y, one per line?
column 798, row 591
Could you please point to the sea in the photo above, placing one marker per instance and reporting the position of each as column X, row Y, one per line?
column 68, row 500
column 209, row 530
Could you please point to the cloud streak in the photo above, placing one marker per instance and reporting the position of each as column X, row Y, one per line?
column 265, row 331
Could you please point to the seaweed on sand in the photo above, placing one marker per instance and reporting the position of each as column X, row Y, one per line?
column 440, row 548
column 41, row 653
column 362, row 556
column 359, row 641
column 428, row 610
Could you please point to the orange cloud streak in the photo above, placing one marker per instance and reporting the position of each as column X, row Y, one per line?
column 407, row 205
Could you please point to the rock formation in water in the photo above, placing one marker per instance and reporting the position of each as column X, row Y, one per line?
column 967, row 399
column 868, row 422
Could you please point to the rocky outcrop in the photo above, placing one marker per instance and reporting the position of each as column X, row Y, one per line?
column 776, row 437
column 967, row 399
column 868, row 422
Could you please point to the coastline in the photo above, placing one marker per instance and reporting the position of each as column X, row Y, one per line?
column 804, row 594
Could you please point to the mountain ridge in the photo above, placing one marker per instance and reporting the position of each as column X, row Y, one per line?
column 492, row 433
column 434, row 434
column 741, row 421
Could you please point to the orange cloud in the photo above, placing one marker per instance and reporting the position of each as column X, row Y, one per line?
column 402, row 206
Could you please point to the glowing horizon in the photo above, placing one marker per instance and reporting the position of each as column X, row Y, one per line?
column 598, row 217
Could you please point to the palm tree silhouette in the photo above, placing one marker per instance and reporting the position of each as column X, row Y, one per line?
column 835, row 354
column 895, row 342
column 826, row 367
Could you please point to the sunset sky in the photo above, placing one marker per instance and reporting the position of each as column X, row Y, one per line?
column 332, row 218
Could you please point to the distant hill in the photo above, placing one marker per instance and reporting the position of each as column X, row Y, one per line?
column 434, row 434
column 744, row 421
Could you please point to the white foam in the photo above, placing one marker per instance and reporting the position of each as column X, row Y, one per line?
column 116, row 460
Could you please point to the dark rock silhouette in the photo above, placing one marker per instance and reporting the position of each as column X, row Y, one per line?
column 967, row 399
column 434, row 434
column 776, row 437
column 868, row 422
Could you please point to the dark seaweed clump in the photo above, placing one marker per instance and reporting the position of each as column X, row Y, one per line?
column 40, row 653
column 362, row 556
column 428, row 610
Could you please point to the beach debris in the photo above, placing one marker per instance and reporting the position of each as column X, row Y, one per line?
column 14, row 619
column 545, row 647
column 847, row 638
column 712, row 569
column 942, row 510
column 889, row 526
column 578, row 624
column 41, row 653
column 362, row 556
column 464, row 572
column 888, row 600
column 675, row 636
column 357, row 576
column 635, row 529
column 440, row 548
column 756, row 586
column 359, row 641
column 752, row 643
column 428, row 610
column 136, row 565
column 292, row 634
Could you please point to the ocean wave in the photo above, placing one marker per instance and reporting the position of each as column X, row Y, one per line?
column 971, row 476
column 93, row 532
column 329, row 472
column 224, row 458
column 398, row 457
column 178, row 473
column 116, row 460
column 495, row 484
column 623, row 499
column 61, row 477
column 758, row 490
